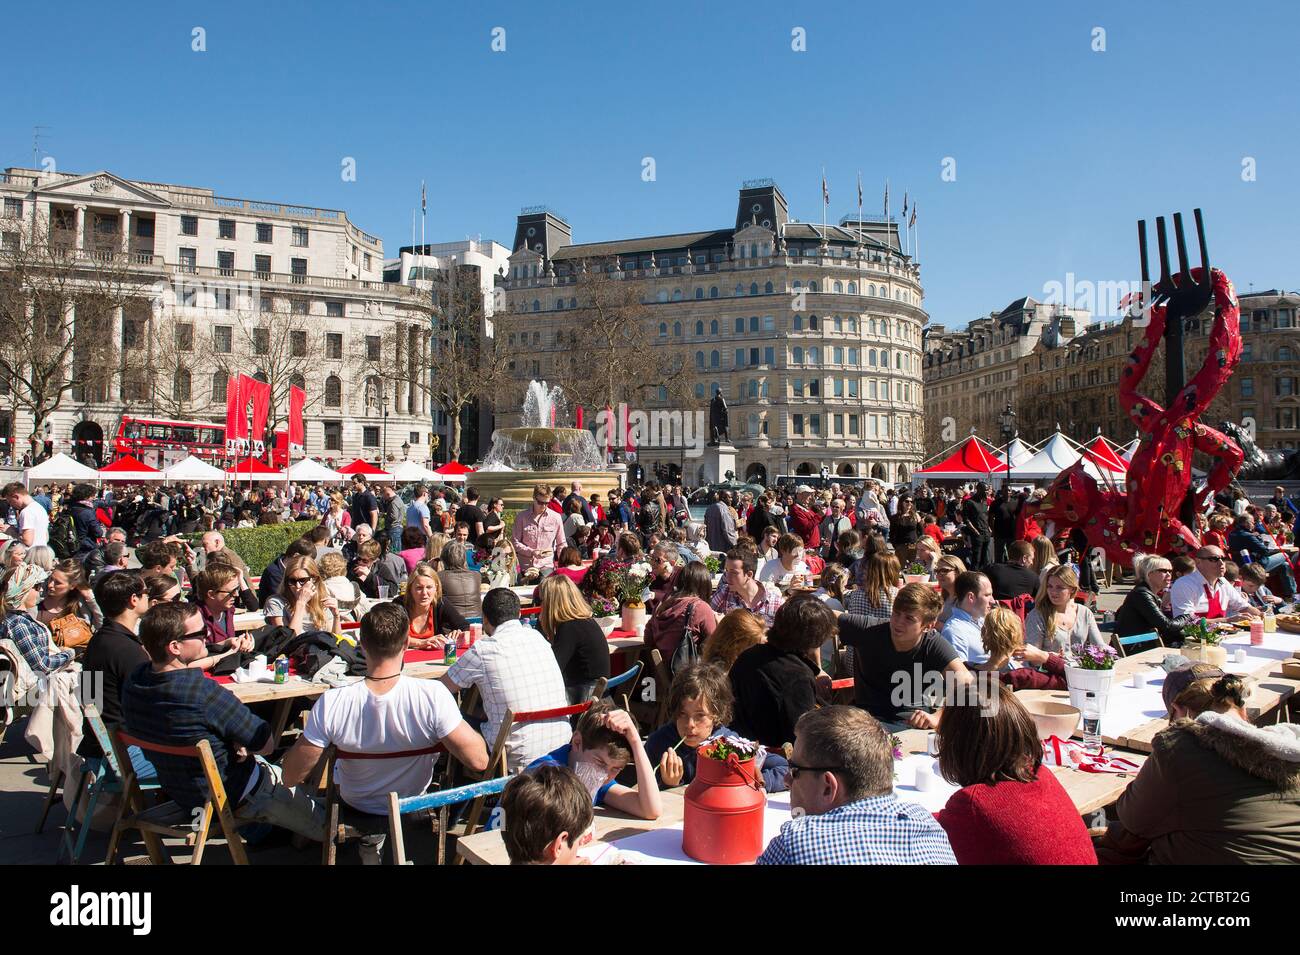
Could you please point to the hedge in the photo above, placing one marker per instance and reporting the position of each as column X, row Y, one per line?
column 258, row 546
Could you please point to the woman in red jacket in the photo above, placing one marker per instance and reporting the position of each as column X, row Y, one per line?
column 1010, row 809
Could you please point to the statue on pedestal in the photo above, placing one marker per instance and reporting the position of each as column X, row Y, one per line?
column 718, row 427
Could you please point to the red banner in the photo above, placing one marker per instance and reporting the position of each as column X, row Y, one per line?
column 236, row 419
column 297, row 431
column 260, row 394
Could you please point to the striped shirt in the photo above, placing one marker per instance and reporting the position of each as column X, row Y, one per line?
column 878, row 830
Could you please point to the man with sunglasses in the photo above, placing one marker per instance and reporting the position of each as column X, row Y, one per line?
column 538, row 536
column 843, row 807
column 170, row 702
column 1206, row 593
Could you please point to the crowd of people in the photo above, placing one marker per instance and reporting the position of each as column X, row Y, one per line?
column 751, row 612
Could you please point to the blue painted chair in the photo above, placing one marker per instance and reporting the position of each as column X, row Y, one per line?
column 441, row 802
column 627, row 681
column 1125, row 643
column 99, row 776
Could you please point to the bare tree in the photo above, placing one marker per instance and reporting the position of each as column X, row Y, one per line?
column 461, row 365
column 58, row 319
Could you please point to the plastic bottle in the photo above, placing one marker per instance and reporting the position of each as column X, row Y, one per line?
column 1092, row 724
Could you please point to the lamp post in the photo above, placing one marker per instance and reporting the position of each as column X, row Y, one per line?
column 406, row 449
column 1007, row 422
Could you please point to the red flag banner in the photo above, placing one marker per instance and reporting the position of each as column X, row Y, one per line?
column 297, row 431
column 259, row 392
column 236, row 420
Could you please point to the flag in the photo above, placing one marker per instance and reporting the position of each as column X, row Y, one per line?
column 235, row 417
column 904, row 203
column 886, row 197
column 859, row 190
column 259, row 393
column 424, row 198
column 297, row 398
column 913, row 222
column 826, row 193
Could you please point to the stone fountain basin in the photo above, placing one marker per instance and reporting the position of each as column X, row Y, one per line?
column 516, row 487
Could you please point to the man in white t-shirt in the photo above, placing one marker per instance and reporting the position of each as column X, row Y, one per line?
column 385, row 713
column 514, row 669
column 33, row 520
column 1206, row 592
column 788, row 563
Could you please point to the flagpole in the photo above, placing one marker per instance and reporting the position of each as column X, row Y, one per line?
column 859, row 209
column 823, row 204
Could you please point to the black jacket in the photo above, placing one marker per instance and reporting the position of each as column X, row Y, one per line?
column 88, row 528
column 773, row 688
column 1141, row 613
column 114, row 652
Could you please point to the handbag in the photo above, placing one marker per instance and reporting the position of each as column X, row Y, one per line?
column 688, row 651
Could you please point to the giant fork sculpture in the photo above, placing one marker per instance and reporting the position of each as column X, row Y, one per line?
column 1148, row 517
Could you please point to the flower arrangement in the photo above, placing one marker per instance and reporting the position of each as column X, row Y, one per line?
column 604, row 607
column 896, row 745
column 1202, row 631
column 714, row 563
column 916, row 567
column 1093, row 657
column 722, row 747
column 631, row 586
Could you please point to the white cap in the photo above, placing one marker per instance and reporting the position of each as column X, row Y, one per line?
column 803, row 489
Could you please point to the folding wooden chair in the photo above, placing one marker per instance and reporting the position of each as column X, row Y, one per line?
column 102, row 775
column 337, row 832
column 169, row 819
column 440, row 801
column 1123, row 644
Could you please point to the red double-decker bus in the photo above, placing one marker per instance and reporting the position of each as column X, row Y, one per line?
column 160, row 443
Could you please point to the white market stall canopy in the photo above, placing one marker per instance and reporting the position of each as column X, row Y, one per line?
column 59, row 468
column 408, row 472
column 192, row 469
column 1018, row 451
column 1052, row 458
column 309, row 470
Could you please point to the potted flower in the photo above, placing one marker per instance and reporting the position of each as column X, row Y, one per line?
column 605, row 610
column 714, row 563
column 1201, row 644
column 722, row 822
column 631, row 592
column 916, row 573
column 1090, row 667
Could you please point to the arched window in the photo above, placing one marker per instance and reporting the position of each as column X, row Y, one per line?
column 713, row 327
column 898, row 361
column 884, row 358
column 798, row 323
column 798, row 284
column 753, row 323
column 297, row 381
column 677, row 295
column 699, row 292
column 260, row 375
column 839, row 287
column 699, row 389
column 852, row 324
column 714, row 388
column 333, row 392
column 812, row 323
column 219, row 382
column 663, row 329
column 699, row 329
column 715, row 359
column 871, row 326
column 767, row 289
column 677, row 329
column 537, row 305
column 797, row 359
column 871, row 289
column 814, row 356
column 661, row 295
column 713, row 291
column 753, row 288
column 812, row 286
column 853, row 288
column 871, row 357
column 699, row 359
column 181, row 385
column 740, row 326
column 740, row 289
column 853, row 356
column 838, row 354
column 559, row 304
column 839, row 324
column 1284, row 353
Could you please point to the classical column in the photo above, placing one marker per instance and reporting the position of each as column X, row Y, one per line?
column 119, row 332
column 126, row 230
column 81, row 228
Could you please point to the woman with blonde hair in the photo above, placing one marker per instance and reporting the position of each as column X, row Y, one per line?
column 946, row 570
column 433, row 623
column 41, row 556
column 1044, row 556
column 928, row 553
column 1018, row 666
column 577, row 640
column 69, row 608
column 433, row 550
column 1057, row 622
column 874, row 596
column 1143, row 608
column 735, row 633
column 304, row 601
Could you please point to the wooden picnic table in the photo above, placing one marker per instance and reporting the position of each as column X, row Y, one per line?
column 1089, row 791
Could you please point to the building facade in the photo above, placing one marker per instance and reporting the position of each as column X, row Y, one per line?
column 812, row 334
column 1070, row 380
column 228, row 272
column 973, row 374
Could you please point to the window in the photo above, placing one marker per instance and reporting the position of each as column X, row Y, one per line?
column 370, row 436
column 298, row 343
column 663, row 329
column 839, row 387
column 1247, row 351
column 299, row 269
column 1284, row 353
column 333, row 392
column 815, row 424
column 796, row 387
column 797, row 356
column 713, row 327
column 262, row 264
column 753, row 356
column 740, row 358
column 189, row 225
column 221, row 339
column 132, row 332
column 334, row 309
column 299, row 237
column 853, row 387
column 298, row 306
column 226, row 228
column 853, row 426
column 189, row 259
column 796, row 424
column 740, row 326
column 1248, row 387
column 219, row 382
column 333, row 435
column 677, row 329
column 814, row 387
column 814, row 355
column 226, row 262
column 713, row 291
column 838, row 354
column 699, row 359
column 264, row 232
column 144, row 228
column 181, row 385
column 812, row 319
column 699, row 329
column 769, row 356
column 261, row 341
column 1284, row 387
column 798, row 323
column 184, row 337
column 699, row 292
column 715, row 360
column 9, row 241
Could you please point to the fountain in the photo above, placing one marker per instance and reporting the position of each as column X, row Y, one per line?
column 540, row 451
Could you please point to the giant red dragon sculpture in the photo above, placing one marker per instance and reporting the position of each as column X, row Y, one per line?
column 1144, row 517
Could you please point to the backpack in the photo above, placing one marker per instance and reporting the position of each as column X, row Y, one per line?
column 688, row 651
column 63, row 535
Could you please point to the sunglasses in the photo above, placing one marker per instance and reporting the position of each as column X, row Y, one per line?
column 196, row 635
column 794, row 769
column 298, row 581
column 1218, row 558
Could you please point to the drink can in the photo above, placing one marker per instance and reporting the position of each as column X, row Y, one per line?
column 449, row 652
column 475, row 631
column 281, row 668
column 1256, row 632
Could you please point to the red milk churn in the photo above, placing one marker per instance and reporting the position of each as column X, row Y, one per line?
column 723, row 821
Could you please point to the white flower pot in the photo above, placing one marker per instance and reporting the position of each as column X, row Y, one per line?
column 634, row 619
column 1081, row 681
column 608, row 623
column 1206, row 653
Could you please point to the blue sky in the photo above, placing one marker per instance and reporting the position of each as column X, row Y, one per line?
column 1058, row 149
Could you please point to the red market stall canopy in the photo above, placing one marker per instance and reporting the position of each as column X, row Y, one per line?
column 127, row 468
column 971, row 461
column 253, row 469
column 370, row 472
column 453, row 471
column 1105, row 455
